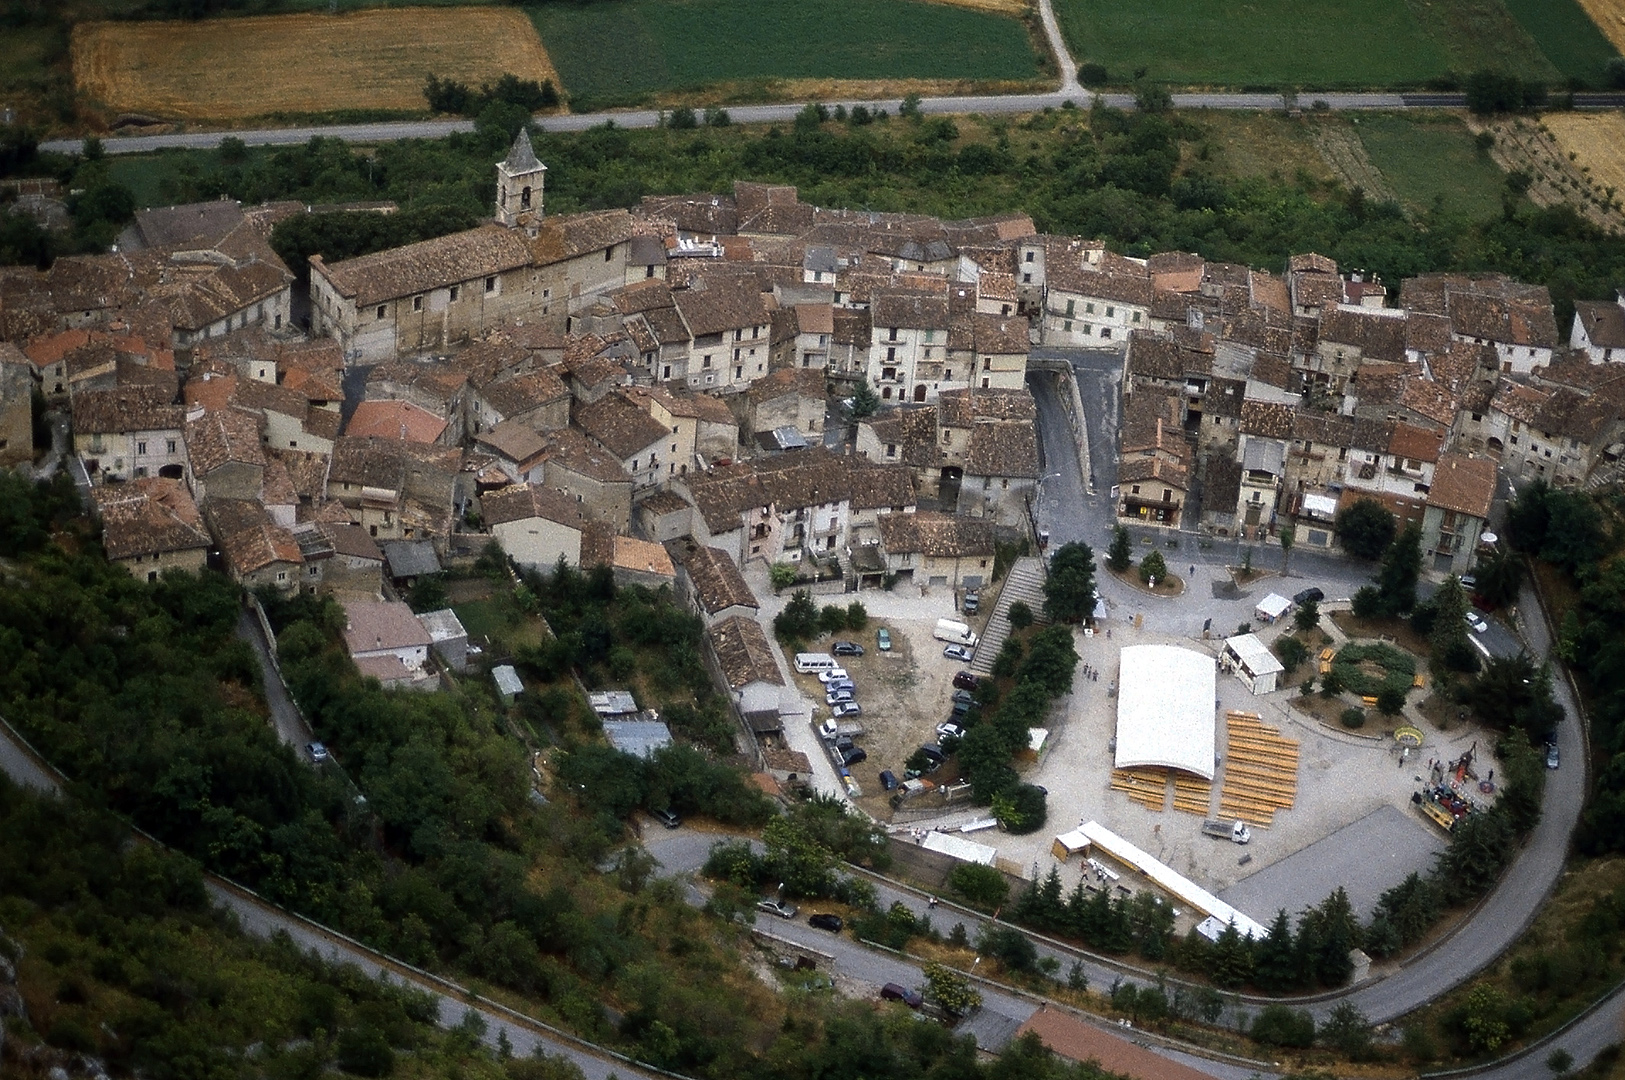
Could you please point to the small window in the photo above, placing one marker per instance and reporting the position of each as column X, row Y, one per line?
column 282, row 575
column 1136, row 316
column 1089, row 308
column 417, row 303
column 491, row 283
column 609, row 253
column 1029, row 257
column 1110, row 311
column 455, row 289
column 382, row 310
column 141, row 448
column 1026, row 279
column 171, row 446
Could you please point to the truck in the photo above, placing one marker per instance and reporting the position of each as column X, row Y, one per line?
column 956, row 632
column 841, row 729
column 1236, row 832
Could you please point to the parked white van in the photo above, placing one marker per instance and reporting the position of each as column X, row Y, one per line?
column 810, row 663
column 957, row 632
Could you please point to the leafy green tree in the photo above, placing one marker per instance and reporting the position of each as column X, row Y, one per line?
column 865, row 402
column 1484, row 1018
column 781, row 575
column 980, row 886
column 1120, row 556
column 1286, row 548
column 1367, row 602
column 1291, row 651
column 1069, row 590
column 1277, row 1025
column 1021, row 810
column 799, row 619
column 1153, row 567
column 1481, row 845
column 1021, row 616
column 857, row 616
column 1230, row 962
column 1009, row 947
column 950, row 990
column 831, row 619
column 1529, row 517
column 1500, row 576
column 1390, row 699
column 1401, row 567
column 1307, row 617
column 1365, row 528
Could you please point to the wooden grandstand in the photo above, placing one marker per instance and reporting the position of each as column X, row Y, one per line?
column 1192, row 794
column 1260, row 771
column 1148, row 786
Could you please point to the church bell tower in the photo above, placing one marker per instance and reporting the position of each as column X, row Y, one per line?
column 519, row 186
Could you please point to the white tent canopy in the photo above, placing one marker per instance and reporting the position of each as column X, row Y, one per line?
column 1253, row 654
column 1272, row 607
column 1165, row 709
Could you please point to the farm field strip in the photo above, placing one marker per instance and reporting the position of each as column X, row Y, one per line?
column 1597, row 143
column 1572, row 40
column 1430, row 158
column 621, row 49
column 305, row 63
column 1609, row 17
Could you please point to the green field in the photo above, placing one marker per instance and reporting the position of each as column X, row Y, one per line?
column 1432, row 158
column 1568, row 36
column 1322, row 44
column 1263, row 43
column 621, row 50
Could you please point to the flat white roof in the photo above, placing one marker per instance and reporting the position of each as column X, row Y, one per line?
column 959, row 848
column 1273, row 605
column 1165, row 709
column 1170, row 880
column 1253, row 654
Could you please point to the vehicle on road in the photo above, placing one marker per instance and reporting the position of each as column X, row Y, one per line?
column 776, row 907
column 899, row 992
column 1307, row 595
column 318, row 752
column 955, row 631
column 667, row 817
column 823, row 920
column 833, row 728
column 846, row 648
column 1476, row 621
column 836, row 697
column 1551, row 755
column 958, row 652
column 964, row 680
column 883, row 639
column 834, row 674
column 855, row 756
column 950, row 730
column 843, row 709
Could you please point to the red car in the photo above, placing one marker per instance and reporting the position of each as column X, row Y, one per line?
column 966, row 681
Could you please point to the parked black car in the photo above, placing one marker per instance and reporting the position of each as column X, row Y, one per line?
column 825, row 921
column 854, row 756
column 888, row 780
column 846, row 648
column 966, row 681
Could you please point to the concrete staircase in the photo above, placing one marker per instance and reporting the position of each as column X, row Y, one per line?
column 1025, row 581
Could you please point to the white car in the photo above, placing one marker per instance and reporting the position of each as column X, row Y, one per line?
column 834, row 674
column 837, row 697
column 950, row 730
column 845, row 708
column 1476, row 621
column 958, row 652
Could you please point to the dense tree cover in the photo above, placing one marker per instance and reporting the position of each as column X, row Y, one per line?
column 120, row 956
column 1143, row 181
column 1365, row 528
column 1069, row 585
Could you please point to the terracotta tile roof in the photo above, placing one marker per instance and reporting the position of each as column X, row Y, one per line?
column 568, row 235
column 936, row 535
column 684, row 404
column 630, row 553
column 1322, row 429
column 222, row 436
column 1155, row 468
column 705, row 214
column 437, row 381
column 881, row 487
column 1273, row 369
column 493, row 358
column 1427, row 333
column 1463, row 484
column 1570, row 414
column 352, row 541
column 743, row 653
column 376, row 625
column 646, row 295
column 814, row 318
column 1269, row 291
column 1002, row 449
column 1267, row 419
column 276, row 486
column 998, row 335
column 912, row 430
column 1378, row 337
column 514, row 441
column 1522, row 403
column 1434, row 400
column 718, row 584
column 1224, row 398
column 1379, row 382
column 620, row 426
column 569, row 449
column 853, row 327
column 148, row 516
column 1151, row 422
column 964, row 407
column 394, row 420
column 429, row 264
column 910, row 311
column 520, row 502
column 788, row 481
column 1310, row 261
column 1515, row 322
column 1221, row 484
column 1414, row 443
column 1603, row 322
column 269, row 397
column 124, row 410
column 249, row 540
column 519, row 394
column 781, row 382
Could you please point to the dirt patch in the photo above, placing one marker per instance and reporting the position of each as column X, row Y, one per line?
column 1345, row 155
column 259, row 65
column 1572, row 158
column 1170, row 585
column 1609, row 15
column 1018, row 8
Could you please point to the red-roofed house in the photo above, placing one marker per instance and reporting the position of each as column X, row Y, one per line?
column 395, row 420
column 1458, row 504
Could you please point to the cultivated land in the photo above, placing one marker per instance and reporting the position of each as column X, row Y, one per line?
column 1323, row 44
column 229, row 69
column 622, row 50
column 1432, row 159
column 1570, row 158
column 1265, row 43
column 1609, row 17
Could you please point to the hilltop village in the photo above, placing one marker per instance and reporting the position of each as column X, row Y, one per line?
column 685, row 382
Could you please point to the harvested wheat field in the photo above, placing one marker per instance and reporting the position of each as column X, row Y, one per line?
column 1597, row 141
column 1609, row 15
column 227, row 69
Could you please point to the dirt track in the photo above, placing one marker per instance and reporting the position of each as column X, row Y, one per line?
column 227, row 69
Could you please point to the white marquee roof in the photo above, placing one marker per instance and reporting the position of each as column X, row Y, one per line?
column 1165, row 709
column 1253, row 654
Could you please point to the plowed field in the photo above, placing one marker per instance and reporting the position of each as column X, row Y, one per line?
column 224, row 69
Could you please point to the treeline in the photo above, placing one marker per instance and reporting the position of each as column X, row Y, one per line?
column 451, row 96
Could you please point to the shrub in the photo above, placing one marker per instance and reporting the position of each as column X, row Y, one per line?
column 1278, row 1025
column 857, row 616
column 1353, row 718
column 832, row 619
column 1021, row 616
column 717, row 118
column 978, row 885
column 1291, row 651
column 1153, row 566
column 1307, row 687
column 1391, row 700
column 1097, row 75
column 782, row 575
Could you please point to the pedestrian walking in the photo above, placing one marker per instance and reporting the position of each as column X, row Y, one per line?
column 931, row 903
